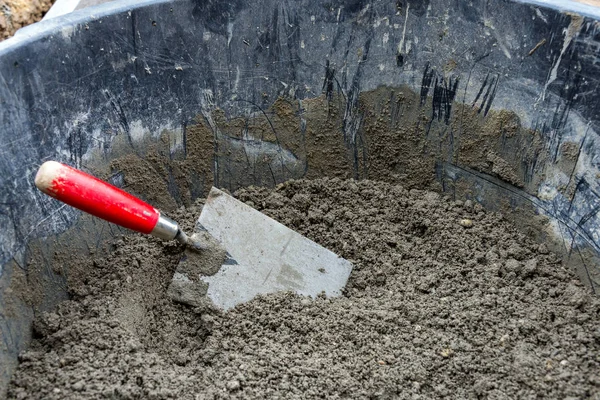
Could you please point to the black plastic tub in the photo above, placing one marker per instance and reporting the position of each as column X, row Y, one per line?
column 492, row 101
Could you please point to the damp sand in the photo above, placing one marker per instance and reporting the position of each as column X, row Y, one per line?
column 445, row 300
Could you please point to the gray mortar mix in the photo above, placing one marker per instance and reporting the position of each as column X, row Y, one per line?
column 436, row 307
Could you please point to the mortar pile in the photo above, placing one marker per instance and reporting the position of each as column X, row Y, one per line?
column 435, row 307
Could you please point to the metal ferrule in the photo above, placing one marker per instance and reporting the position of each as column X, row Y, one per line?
column 165, row 228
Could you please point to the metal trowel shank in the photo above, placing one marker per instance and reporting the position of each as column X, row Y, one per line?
column 248, row 253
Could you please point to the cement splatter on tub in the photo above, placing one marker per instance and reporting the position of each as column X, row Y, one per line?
column 435, row 308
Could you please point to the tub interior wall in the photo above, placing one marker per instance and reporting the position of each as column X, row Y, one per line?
column 494, row 102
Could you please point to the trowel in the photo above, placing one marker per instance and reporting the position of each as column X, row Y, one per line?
column 234, row 254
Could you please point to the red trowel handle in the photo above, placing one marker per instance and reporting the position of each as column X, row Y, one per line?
column 96, row 197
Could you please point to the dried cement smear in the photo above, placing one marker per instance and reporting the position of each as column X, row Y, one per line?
column 436, row 307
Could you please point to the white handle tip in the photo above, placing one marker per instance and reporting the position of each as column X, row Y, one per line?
column 46, row 174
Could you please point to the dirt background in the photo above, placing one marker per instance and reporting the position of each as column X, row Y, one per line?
column 15, row 14
column 445, row 300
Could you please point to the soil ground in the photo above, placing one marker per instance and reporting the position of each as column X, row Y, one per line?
column 15, row 14
column 445, row 301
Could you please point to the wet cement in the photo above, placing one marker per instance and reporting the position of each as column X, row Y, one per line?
column 445, row 300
